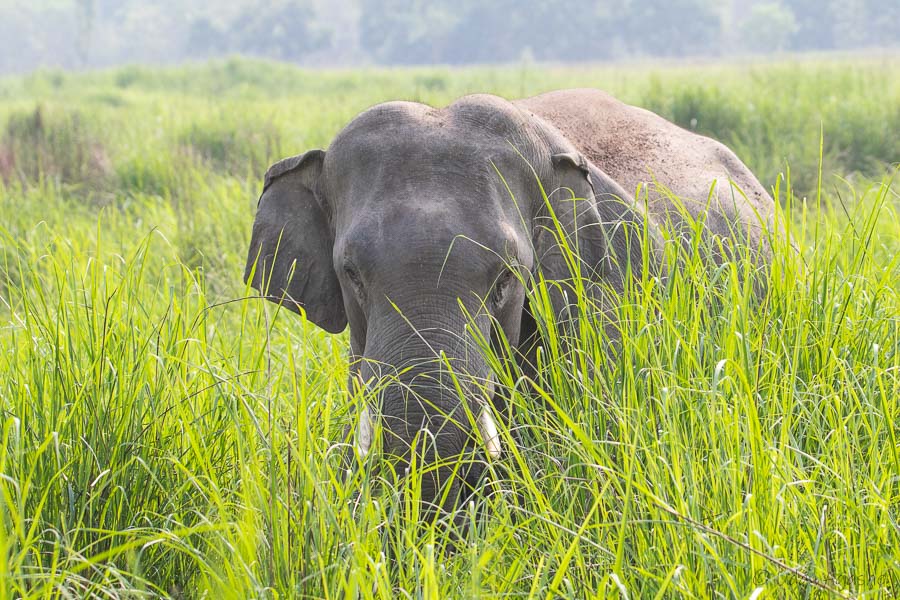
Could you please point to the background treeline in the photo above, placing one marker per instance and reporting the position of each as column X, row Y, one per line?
column 89, row 33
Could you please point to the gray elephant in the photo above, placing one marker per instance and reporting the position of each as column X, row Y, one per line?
column 419, row 226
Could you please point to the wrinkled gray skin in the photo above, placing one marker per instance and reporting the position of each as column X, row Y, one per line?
column 406, row 219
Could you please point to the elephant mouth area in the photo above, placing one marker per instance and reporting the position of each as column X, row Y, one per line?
column 479, row 434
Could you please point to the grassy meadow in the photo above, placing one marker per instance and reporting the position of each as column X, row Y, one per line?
column 163, row 436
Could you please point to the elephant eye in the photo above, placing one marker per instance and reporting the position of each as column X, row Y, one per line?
column 501, row 287
column 353, row 275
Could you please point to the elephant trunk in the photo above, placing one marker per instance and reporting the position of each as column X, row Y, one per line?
column 434, row 395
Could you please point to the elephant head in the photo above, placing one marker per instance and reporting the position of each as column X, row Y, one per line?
column 418, row 227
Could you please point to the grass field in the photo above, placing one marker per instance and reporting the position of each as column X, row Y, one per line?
column 163, row 437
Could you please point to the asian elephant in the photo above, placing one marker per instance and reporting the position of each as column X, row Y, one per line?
column 419, row 225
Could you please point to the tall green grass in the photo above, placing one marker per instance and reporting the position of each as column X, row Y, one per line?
column 772, row 114
column 164, row 436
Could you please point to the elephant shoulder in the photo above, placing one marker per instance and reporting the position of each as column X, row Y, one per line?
column 582, row 109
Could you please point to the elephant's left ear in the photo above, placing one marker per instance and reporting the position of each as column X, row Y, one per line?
column 569, row 220
column 585, row 224
column 573, row 160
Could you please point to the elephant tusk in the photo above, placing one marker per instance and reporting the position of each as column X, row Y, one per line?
column 364, row 433
column 488, row 429
column 365, row 427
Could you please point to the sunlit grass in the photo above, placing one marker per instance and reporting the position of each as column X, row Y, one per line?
column 164, row 436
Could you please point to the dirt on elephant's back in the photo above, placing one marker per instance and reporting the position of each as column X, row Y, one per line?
column 620, row 143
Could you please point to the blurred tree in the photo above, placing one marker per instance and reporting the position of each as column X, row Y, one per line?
column 815, row 24
column 469, row 31
column 285, row 30
column 884, row 22
column 407, row 31
column 86, row 15
column 768, row 28
column 498, row 31
column 670, row 27
column 552, row 30
column 205, row 38
column 33, row 35
column 849, row 23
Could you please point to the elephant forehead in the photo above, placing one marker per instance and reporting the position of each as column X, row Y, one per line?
column 419, row 155
column 433, row 229
column 424, row 232
column 403, row 139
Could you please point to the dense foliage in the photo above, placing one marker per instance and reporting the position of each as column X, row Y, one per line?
column 162, row 435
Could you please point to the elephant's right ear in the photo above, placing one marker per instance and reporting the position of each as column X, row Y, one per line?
column 290, row 258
